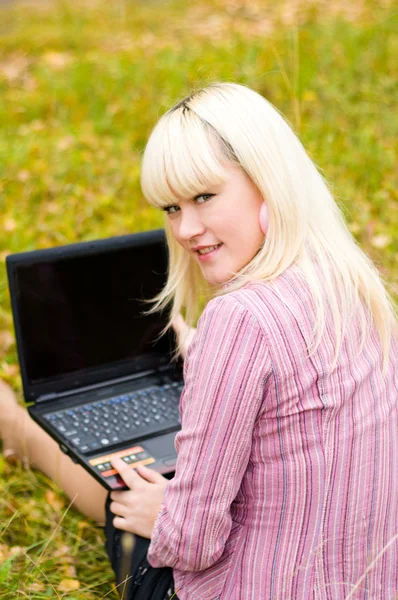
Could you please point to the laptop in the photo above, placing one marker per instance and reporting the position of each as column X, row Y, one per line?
column 96, row 372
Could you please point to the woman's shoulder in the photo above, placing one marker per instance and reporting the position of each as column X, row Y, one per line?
column 229, row 306
column 225, row 321
column 260, row 303
column 271, row 297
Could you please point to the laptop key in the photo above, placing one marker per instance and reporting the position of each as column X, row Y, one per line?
column 70, row 433
column 81, row 443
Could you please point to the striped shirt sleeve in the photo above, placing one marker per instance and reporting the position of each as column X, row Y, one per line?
column 226, row 370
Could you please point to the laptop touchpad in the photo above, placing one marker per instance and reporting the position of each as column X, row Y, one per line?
column 162, row 446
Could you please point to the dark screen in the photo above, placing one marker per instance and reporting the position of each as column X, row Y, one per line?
column 86, row 312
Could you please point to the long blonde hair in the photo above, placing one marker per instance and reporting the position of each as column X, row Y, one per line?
column 229, row 123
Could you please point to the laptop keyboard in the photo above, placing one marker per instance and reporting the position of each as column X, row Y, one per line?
column 94, row 426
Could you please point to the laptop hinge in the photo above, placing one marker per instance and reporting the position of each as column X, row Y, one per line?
column 95, row 386
column 46, row 397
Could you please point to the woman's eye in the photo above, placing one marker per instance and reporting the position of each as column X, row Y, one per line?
column 201, row 198
column 171, row 209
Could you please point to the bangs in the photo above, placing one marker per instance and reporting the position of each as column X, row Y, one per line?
column 184, row 157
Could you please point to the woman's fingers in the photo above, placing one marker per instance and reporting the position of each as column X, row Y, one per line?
column 136, row 476
column 127, row 473
column 151, row 475
column 120, row 523
column 118, row 509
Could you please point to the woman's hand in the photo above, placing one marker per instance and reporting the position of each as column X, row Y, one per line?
column 184, row 333
column 136, row 509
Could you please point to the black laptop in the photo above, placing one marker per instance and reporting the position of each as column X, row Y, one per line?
column 97, row 372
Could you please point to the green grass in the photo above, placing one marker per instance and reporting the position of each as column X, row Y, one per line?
column 81, row 86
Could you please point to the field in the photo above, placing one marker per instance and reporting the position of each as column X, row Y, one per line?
column 81, row 86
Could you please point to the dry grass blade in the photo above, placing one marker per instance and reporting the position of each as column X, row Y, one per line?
column 8, row 524
column 371, row 565
column 114, row 588
column 44, row 575
column 55, row 530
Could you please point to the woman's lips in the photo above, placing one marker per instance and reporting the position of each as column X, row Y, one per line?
column 208, row 255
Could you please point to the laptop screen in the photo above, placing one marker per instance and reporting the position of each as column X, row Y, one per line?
column 85, row 311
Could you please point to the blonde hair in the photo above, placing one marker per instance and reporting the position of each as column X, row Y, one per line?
column 229, row 123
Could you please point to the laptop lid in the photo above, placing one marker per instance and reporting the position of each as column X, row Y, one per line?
column 79, row 312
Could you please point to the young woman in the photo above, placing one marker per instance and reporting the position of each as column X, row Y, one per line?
column 286, row 483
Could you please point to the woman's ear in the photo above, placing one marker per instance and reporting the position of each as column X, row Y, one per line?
column 263, row 218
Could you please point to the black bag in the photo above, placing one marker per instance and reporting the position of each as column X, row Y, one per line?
column 135, row 577
column 142, row 581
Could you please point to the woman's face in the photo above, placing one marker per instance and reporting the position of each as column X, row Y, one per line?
column 220, row 227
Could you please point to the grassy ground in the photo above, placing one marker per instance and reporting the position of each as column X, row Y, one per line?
column 81, row 86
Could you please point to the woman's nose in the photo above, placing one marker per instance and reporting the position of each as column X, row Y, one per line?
column 189, row 225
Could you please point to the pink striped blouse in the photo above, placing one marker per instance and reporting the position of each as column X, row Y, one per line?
column 286, row 485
